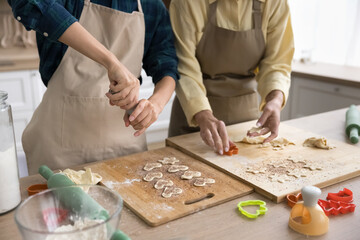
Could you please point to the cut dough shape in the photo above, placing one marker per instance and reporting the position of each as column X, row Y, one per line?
column 317, row 143
column 151, row 166
column 296, row 173
column 176, row 168
column 281, row 142
column 253, row 140
column 278, row 178
column 169, row 191
column 150, row 176
column 168, row 160
column 160, row 184
column 312, row 167
column 200, row 182
column 296, row 160
column 277, row 143
column 190, row 174
column 251, row 170
column 277, row 165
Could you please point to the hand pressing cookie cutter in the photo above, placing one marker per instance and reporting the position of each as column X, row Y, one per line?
column 232, row 151
column 262, row 208
column 331, row 207
column 345, row 195
column 292, row 199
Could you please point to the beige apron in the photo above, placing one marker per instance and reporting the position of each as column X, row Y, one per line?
column 228, row 59
column 74, row 124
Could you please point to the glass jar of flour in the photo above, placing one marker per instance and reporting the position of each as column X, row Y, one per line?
column 9, row 175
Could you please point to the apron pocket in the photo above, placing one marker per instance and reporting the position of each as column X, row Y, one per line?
column 83, row 123
column 235, row 109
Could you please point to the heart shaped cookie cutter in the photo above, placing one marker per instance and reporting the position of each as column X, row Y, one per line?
column 292, row 199
column 232, row 151
column 345, row 195
column 262, row 208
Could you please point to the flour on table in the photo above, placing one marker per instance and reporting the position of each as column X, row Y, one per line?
column 176, row 168
column 169, row 191
column 190, row 174
column 317, row 143
column 277, row 165
column 201, row 182
column 150, row 176
column 151, row 166
column 169, row 160
column 160, row 184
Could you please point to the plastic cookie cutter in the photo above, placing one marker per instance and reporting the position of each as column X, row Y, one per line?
column 36, row 188
column 345, row 195
column 262, row 208
column 331, row 207
column 292, row 199
column 232, row 151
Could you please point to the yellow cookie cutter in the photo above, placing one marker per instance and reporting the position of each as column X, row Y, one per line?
column 262, row 209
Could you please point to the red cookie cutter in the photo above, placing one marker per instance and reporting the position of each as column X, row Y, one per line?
column 292, row 199
column 232, row 151
column 331, row 207
column 343, row 196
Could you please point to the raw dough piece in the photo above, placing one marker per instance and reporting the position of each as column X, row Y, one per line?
column 150, row 176
column 200, row 182
column 253, row 140
column 281, row 142
column 176, row 168
column 255, row 130
column 168, row 160
column 190, row 174
column 151, row 166
column 160, row 184
column 317, row 143
column 296, row 173
column 312, row 167
column 82, row 177
column 169, row 191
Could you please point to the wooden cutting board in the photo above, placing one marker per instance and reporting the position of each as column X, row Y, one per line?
column 338, row 164
column 125, row 175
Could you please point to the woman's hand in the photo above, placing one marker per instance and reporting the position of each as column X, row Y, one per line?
column 145, row 113
column 270, row 118
column 124, row 86
column 213, row 131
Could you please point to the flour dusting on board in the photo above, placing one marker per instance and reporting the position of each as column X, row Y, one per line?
column 114, row 184
column 163, row 206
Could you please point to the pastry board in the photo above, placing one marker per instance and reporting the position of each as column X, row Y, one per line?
column 125, row 175
column 334, row 165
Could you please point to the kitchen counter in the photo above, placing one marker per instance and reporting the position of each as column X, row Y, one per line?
column 331, row 73
column 224, row 221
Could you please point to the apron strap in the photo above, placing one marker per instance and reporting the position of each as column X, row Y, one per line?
column 257, row 14
column 87, row 2
column 212, row 13
column 139, row 6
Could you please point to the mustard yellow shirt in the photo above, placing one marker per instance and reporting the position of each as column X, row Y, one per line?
column 188, row 19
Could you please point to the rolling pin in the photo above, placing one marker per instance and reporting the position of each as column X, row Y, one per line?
column 353, row 124
column 76, row 199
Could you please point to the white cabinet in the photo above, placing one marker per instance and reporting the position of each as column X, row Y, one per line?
column 311, row 96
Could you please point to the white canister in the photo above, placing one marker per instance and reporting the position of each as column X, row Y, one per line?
column 10, row 195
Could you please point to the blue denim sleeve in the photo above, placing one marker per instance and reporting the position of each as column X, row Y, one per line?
column 160, row 58
column 47, row 17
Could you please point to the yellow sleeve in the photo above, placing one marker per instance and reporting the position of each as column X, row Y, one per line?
column 275, row 66
column 187, row 23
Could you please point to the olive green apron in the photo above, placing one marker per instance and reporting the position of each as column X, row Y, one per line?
column 75, row 124
column 227, row 59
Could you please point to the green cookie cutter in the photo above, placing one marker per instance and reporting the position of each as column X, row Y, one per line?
column 262, row 209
